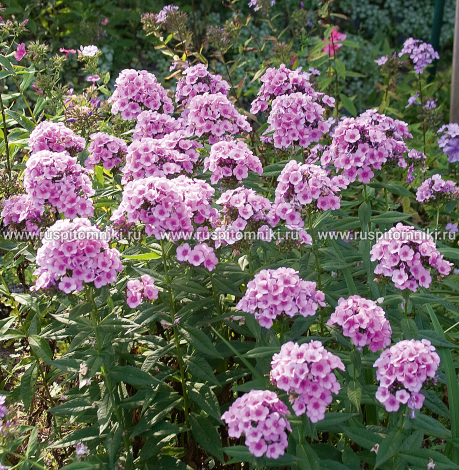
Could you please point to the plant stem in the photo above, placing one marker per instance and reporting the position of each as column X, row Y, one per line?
column 423, row 125
column 5, row 137
column 176, row 338
column 319, row 281
column 95, row 319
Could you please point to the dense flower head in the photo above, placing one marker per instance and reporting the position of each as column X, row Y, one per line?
column 449, row 141
column 306, row 373
column 332, row 48
column 437, row 189
column 201, row 254
column 19, row 212
column 274, row 292
column 166, row 205
column 305, row 187
column 139, row 289
column 231, row 161
column 58, row 180
column 243, row 210
column 402, row 371
column 366, row 143
column 136, row 91
column 73, row 253
column 55, row 137
column 215, row 116
column 295, row 119
column 363, row 321
column 197, row 80
column 107, row 149
column 161, row 17
column 405, row 254
column 421, row 53
column 156, row 125
column 89, row 51
column 260, row 415
column 283, row 81
column 173, row 154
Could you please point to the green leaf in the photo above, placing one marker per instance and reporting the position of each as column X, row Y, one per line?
column 32, row 444
column 80, row 435
column 365, row 214
column 340, row 67
column 131, row 375
column 200, row 341
column 363, row 437
column 99, row 172
column 430, row 426
column 27, row 81
column 409, row 328
column 184, row 285
column 206, row 399
column 7, row 64
column 421, row 457
column 206, row 435
column 348, row 104
column 307, row 458
column 25, row 122
column 389, row 447
column 201, row 369
column 333, row 418
column 390, row 217
column 27, row 387
column 354, row 393
column 41, row 348
column 226, row 286
column 74, row 406
column 239, row 454
column 143, row 256
column 437, row 339
column 393, row 188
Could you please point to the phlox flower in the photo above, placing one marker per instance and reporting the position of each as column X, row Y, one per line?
column 363, row 321
column 156, row 125
column 274, row 292
column 74, row 253
column 438, row 190
column 334, row 45
column 260, row 415
column 402, row 370
column 106, row 148
column 137, row 290
column 421, row 53
column 231, row 161
column 136, row 91
column 404, row 254
column 55, row 137
column 305, row 372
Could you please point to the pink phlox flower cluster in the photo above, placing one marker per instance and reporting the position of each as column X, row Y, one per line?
column 402, row 370
column 197, row 80
column 283, row 81
column 404, row 254
column 55, row 137
column 363, row 321
column 173, row 154
column 156, row 125
column 302, row 187
column 274, row 292
column 449, row 141
column 215, row 115
column 58, row 180
column 201, row 254
column 295, row 119
column 74, row 253
column 19, row 210
column 260, row 415
column 243, row 209
column 421, row 53
column 231, row 160
column 138, row 90
column 332, row 48
column 139, row 289
column 106, row 148
column 165, row 205
column 305, row 372
column 366, row 143
column 437, row 189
